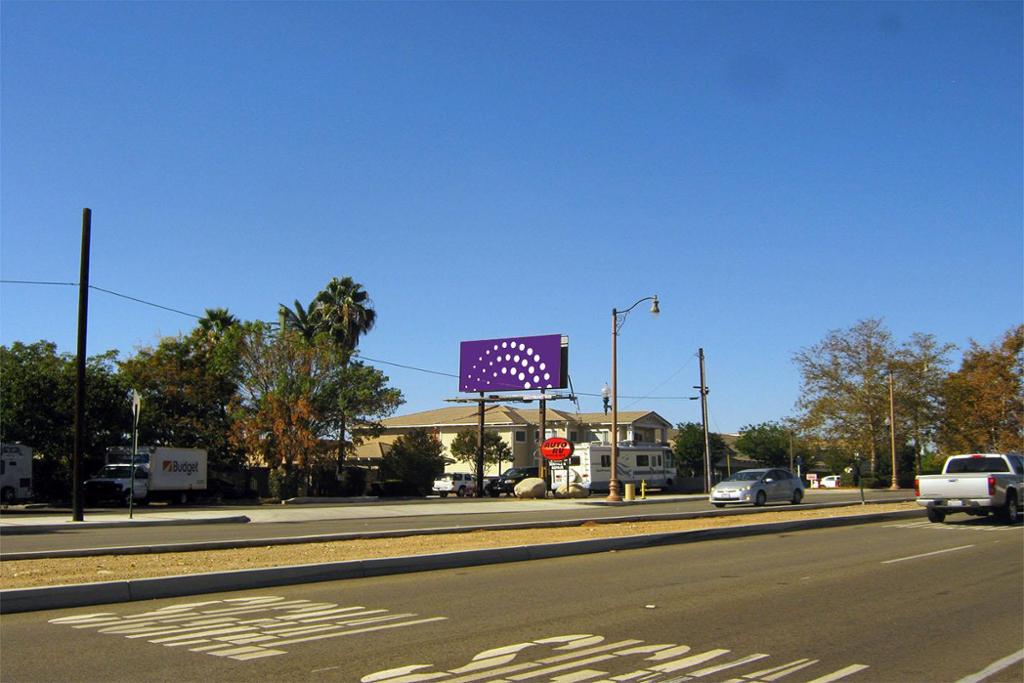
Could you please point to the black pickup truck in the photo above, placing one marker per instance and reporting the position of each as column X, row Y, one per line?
column 506, row 483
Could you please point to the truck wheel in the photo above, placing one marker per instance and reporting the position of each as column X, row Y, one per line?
column 461, row 493
column 936, row 516
column 1010, row 512
column 7, row 495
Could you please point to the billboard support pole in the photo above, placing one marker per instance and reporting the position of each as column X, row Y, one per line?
column 542, row 471
column 480, row 448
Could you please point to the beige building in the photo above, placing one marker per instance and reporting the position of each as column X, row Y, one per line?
column 517, row 427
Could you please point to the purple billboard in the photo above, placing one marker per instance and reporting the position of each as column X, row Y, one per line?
column 513, row 364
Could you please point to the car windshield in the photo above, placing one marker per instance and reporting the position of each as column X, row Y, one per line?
column 513, row 472
column 746, row 475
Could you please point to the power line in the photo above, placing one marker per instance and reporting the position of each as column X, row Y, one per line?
column 357, row 355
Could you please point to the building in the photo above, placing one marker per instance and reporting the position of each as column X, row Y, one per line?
column 517, row 427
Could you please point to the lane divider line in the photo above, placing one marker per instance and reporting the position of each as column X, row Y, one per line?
column 936, row 552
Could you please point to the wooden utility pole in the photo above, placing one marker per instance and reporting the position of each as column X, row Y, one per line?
column 541, row 466
column 892, row 432
column 77, row 504
column 704, row 419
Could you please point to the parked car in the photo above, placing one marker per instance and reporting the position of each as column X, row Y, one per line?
column 832, row 481
column 459, row 483
column 758, row 487
column 506, row 483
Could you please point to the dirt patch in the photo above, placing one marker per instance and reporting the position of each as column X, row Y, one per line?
column 59, row 571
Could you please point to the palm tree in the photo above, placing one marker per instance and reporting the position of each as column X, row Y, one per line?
column 302, row 320
column 217, row 320
column 343, row 311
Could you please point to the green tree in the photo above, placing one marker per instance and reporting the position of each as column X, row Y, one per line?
column 38, row 409
column 276, row 413
column 767, row 443
column 688, row 448
column 304, row 321
column 984, row 399
column 217, row 321
column 496, row 451
column 920, row 371
column 188, row 384
column 844, row 397
column 415, row 460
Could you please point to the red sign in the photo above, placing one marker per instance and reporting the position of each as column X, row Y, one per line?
column 556, row 448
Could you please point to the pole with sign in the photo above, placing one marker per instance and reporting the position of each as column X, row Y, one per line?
column 558, row 449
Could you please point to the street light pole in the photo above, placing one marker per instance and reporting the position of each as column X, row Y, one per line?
column 613, row 482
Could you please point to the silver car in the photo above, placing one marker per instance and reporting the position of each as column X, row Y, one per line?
column 758, row 487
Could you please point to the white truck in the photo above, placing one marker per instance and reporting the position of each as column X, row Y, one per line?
column 977, row 483
column 590, row 466
column 15, row 473
column 161, row 473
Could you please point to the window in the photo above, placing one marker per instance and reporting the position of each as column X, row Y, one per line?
column 643, row 461
column 520, row 435
column 574, row 460
column 1018, row 463
column 573, row 437
column 976, row 464
column 606, row 461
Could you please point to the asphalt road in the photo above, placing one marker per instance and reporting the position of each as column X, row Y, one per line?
column 425, row 514
column 895, row 601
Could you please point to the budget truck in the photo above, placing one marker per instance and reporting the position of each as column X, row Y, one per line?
column 976, row 484
column 162, row 473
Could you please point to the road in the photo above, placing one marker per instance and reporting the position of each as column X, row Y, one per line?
column 894, row 601
column 312, row 520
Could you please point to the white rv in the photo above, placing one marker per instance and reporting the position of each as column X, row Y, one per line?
column 590, row 466
column 15, row 472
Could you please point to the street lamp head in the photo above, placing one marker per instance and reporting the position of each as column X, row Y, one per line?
column 654, row 306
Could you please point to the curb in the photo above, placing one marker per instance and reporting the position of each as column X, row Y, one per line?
column 21, row 529
column 230, row 544
column 83, row 594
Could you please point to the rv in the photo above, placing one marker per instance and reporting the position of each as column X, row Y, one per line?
column 590, row 466
column 15, row 473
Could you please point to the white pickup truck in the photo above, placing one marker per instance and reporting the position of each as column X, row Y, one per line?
column 978, row 484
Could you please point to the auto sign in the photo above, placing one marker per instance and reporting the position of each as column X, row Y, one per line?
column 556, row 448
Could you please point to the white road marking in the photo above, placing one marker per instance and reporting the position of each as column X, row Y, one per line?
column 936, row 552
column 994, row 667
column 728, row 665
column 842, row 673
column 245, row 628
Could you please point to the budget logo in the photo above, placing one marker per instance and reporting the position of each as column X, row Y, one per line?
column 180, row 467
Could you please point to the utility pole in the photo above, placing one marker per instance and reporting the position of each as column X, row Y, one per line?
column 704, row 419
column 480, row 448
column 77, row 503
column 892, row 432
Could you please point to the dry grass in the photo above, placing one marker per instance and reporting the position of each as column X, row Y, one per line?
column 52, row 572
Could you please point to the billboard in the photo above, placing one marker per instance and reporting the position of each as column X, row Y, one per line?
column 514, row 363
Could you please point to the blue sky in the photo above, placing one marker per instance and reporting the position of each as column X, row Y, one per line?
column 772, row 171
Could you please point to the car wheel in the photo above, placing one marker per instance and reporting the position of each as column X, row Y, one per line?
column 936, row 516
column 443, row 494
column 719, row 505
column 7, row 495
column 761, row 499
column 461, row 492
column 1010, row 512
column 798, row 495
column 494, row 492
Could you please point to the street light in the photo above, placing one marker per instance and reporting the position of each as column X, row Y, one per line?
column 613, row 483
